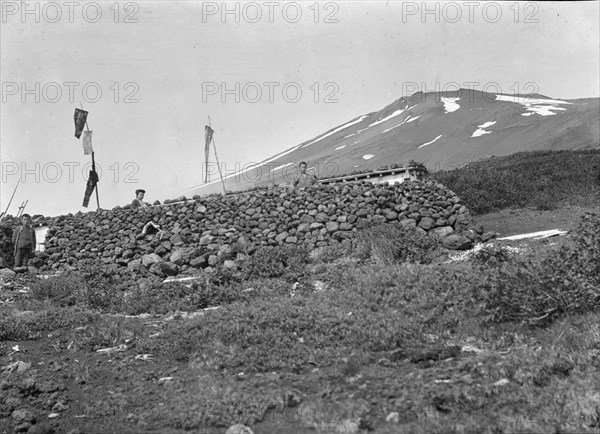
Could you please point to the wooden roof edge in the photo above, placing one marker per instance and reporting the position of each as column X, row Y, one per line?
column 375, row 173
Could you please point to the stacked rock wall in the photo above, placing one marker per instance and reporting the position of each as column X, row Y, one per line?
column 217, row 229
column 6, row 245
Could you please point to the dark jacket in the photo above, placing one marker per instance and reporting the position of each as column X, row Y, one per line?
column 24, row 236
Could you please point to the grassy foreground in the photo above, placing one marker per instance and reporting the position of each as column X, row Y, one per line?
column 392, row 337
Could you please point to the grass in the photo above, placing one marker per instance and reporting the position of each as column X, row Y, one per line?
column 542, row 179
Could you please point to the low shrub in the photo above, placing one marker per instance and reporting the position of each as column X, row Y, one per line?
column 287, row 261
column 388, row 243
column 492, row 256
column 63, row 290
column 539, row 179
column 537, row 292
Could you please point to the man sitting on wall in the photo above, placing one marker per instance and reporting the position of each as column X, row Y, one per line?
column 304, row 179
column 138, row 202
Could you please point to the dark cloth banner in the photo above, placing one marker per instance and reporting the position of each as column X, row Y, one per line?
column 91, row 184
column 208, row 134
column 80, row 118
column 89, row 188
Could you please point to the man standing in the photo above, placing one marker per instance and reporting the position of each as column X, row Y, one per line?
column 138, row 202
column 304, row 179
column 24, row 241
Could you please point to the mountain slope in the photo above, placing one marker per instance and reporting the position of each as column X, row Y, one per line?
column 442, row 130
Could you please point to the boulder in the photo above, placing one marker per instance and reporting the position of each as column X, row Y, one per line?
column 281, row 237
column 199, row 262
column 410, row 223
column 322, row 217
column 7, row 272
column 169, row 268
column 176, row 257
column 390, row 215
column 426, row 223
column 150, row 259
column 229, row 264
column 457, row 242
column 206, row 240
column 442, row 231
column 332, row 226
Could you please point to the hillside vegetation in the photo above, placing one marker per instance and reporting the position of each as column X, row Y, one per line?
column 541, row 179
column 389, row 336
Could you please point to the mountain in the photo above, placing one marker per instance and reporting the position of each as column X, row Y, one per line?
column 442, row 130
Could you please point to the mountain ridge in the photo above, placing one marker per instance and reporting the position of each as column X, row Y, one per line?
column 441, row 129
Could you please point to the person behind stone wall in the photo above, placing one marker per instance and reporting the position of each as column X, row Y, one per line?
column 304, row 179
column 138, row 202
column 150, row 228
column 24, row 241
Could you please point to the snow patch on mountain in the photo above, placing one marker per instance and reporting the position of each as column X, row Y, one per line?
column 544, row 110
column 540, row 106
column 480, row 131
column 530, row 101
column 336, row 130
column 395, row 126
column 450, row 104
column 393, row 115
column 429, row 143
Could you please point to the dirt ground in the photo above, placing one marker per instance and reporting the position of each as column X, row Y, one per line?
column 46, row 386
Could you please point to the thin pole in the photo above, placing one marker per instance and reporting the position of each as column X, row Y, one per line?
column 97, row 198
column 93, row 165
column 11, row 198
column 206, row 154
column 22, row 208
column 217, row 158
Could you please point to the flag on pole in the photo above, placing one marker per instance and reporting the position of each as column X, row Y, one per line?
column 208, row 134
column 80, row 118
column 87, row 143
column 91, row 184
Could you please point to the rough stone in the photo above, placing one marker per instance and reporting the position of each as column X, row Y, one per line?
column 332, row 226
column 457, row 242
column 411, row 223
column 390, row 215
column 426, row 223
column 176, row 257
column 442, row 231
column 150, row 259
column 23, row 416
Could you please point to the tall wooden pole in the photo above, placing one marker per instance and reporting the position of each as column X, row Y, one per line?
column 217, row 158
column 97, row 198
column 11, row 198
column 93, row 166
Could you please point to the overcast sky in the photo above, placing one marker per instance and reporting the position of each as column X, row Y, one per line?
column 269, row 74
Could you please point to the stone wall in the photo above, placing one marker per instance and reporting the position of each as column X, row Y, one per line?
column 212, row 230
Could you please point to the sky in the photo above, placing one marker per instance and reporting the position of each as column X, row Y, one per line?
column 270, row 75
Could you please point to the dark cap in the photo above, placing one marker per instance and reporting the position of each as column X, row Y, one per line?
column 140, row 191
